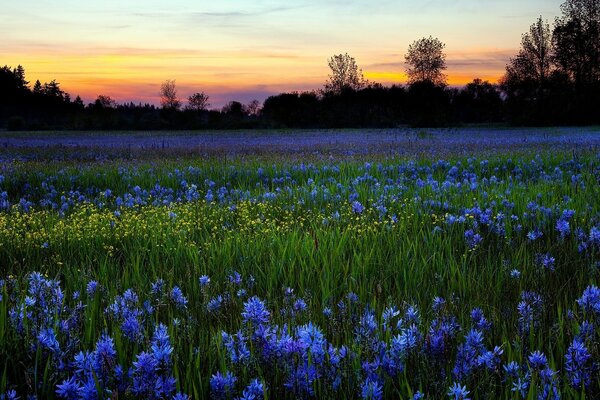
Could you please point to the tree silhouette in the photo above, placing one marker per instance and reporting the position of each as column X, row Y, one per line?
column 253, row 108
column 168, row 96
column 534, row 60
column 37, row 88
column 577, row 40
column 104, row 102
column 426, row 60
column 345, row 74
column 198, row 102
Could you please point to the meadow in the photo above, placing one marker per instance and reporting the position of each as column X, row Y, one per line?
column 410, row 264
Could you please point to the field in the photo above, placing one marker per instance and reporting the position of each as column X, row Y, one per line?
column 376, row 264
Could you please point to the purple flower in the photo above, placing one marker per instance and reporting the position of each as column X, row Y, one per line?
column 357, row 207
column 255, row 312
column 204, row 281
column 371, row 390
column 69, row 389
column 254, row 391
column 222, row 386
column 92, row 288
column 178, row 298
column 562, row 226
column 537, row 360
column 458, row 392
column 579, row 364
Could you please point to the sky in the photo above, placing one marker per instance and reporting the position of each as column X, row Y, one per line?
column 242, row 50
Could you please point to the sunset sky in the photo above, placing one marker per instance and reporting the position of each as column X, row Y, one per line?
column 240, row 50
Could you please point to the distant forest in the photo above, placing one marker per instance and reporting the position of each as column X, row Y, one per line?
column 554, row 79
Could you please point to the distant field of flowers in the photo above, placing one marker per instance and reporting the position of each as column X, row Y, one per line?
column 468, row 276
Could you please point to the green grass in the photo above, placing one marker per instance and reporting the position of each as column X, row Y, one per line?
column 383, row 262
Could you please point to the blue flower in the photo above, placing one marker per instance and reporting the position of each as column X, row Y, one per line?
column 594, row 236
column 144, row 374
column 534, row 235
column 161, row 346
column 255, row 312
column 418, row 395
column 562, row 226
column 222, row 386
column 537, row 360
column 92, row 288
column 371, row 390
column 578, row 364
column 47, row 339
column 512, row 370
column 458, row 392
column 178, row 298
column 547, row 261
column 590, row 300
column 105, row 355
column 473, row 239
column 214, row 304
column 235, row 278
column 521, row 386
column 254, row 391
column 204, row 281
column 69, row 389
column 357, row 207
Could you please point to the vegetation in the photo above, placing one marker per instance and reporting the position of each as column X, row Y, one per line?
column 259, row 277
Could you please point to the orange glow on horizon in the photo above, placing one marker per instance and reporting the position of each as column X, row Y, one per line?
column 132, row 74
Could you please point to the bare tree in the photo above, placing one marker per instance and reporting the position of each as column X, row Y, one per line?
column 168, row 95
column 534, row 61
column 252, row 108
column 345, row 74
column 198, row 102
column 426, row 60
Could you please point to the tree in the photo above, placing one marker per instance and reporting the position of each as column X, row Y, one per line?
column 37, row 88
column 577, row 41
column 19, row 74
column 532, row 66
column 234, row 109
column 168, row 95
column 53, row 90
column 252, row 108
column 345, row 75
column 426, row 60
column 479, row 101
column 104, row 102
column 198, row 102
column 534, row 60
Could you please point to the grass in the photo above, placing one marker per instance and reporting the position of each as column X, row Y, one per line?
column 406, row 255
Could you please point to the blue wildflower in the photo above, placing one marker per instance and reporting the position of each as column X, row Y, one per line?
column 69, row 389
column 579, row 365
column 371, row 389
column 254, row 391
column 92, row 288
column 255, row 312
column 222, row 386
column 215, row 304
column 458, row 392
column 204, row 281
column 178, row 298
column 562, row 226
column 357, row 207
column 537, row 360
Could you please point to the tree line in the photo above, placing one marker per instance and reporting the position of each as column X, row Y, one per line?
column 554, row 79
